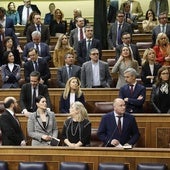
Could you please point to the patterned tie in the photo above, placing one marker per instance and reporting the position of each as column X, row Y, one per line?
column 81, row 34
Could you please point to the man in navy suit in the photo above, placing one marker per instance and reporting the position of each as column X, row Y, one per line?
column 86, row 44
column 64, row 74
column 42, row 48
column 118, row 127
column 11, row 129
column 132, row 93
column 25, row 10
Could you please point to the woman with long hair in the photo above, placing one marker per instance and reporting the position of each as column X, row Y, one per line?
column 72, row 93
column 160, row 95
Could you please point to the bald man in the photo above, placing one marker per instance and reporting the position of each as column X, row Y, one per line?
column 11, row 130
column 118, row 127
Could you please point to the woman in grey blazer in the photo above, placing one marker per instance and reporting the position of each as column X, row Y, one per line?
column 41, row 125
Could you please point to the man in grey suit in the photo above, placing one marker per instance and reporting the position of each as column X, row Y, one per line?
column 95, row 73
column 162, row 27
column 67, row 71
column 78, row 33
column 116, row 29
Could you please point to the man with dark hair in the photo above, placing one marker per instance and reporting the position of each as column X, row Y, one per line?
column 31, row 90
column 11, row 130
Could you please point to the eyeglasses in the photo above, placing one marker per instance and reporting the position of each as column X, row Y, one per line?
column 94, row 53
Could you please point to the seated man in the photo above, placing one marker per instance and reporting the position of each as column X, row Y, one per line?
column 36, row 64
column 132, row 93
column 95, row 73
column 67, row 71
column 42, row 48
column 118, row 127
column 27, row 94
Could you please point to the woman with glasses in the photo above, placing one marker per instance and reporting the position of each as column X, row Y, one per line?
column 150, row 21
column 160, row 95
column 162, row 49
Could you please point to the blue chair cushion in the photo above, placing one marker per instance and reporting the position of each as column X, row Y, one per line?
column 151, row 166
column 3, row 165
column 32, row 166
column 73, row 166
column 112, row 166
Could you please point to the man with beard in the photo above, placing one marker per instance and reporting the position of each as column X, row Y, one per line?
column 11, row 130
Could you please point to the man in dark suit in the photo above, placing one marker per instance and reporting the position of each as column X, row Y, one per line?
column 38, row 26
column 36, row 64
column 27, row 95
column 116, row 29
column 25, row 10
column 67, row 71
column 118, row 127
column 162, row 27
column 11, row 130
column 42, row 48
column 95, row 73
column 132, row 93
column 86, row 44
column 126, row 39
column 111, row 12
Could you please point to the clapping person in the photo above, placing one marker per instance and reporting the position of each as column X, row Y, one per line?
column 42, row 126
column 149, row 68
column 77, row 129
column 72, row 93
column 160, row 95
column 10, row 71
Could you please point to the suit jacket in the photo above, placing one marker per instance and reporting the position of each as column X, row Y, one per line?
column 133, row 105
column 65, row 103
column 108, row 130
column 26, row 96
column 112, row 34
column 45, row 33
column 62, row 74
column 135, row 51
column 82, row 50
column 157, row 30
column 9, row 23
column 11, row 130
column 44, row 51
column 87, row 76
column 164, row 6
column 20, row 9
column 48, row 18
column 147, row 72
column 42, row 68
column 36, row 129
column 14, row 76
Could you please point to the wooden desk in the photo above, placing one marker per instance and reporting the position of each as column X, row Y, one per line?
column 53, row 156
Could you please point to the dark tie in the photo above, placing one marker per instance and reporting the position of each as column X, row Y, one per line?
column 38, row 50
column 119, row 32
column 38, row 28
column 28, row 14
column 81, row 33
column 35, row 66
column 69, row 71
column 33, row 99
column 131, row 89
column 88, row 49
column 119, row 124
column 2, row 37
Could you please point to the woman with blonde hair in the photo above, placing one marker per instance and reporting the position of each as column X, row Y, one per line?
column 124, row 62
column 149, row 68
column 62, row 47
column 77, row 129
column 72, row 93
column 162, row 49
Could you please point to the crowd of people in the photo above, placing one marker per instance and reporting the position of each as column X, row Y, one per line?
column 78, row 58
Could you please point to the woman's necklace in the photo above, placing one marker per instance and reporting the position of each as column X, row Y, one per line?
column 74, row 132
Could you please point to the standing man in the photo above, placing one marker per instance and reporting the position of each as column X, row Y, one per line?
column 67, row 71
column 25, row 10
column 27, row 96
column 86, row 44
column 11, row 129
column 132, row 93
column 162, row 27
column 118, row 127
column 116, row 30
column 95, row 73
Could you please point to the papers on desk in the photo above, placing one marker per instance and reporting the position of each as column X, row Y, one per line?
column 126, row 146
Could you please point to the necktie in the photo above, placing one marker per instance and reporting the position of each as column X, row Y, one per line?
column 88, row 49
column 131, row 89
column 81, row 33
column 119, row 41
column 35, row 66
column 69, row 71
column 163, row 28
column 38, row 28
column 119, row 124
column 2, row 37
column 33, row 99
column 37, row 47
column 28, row 14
